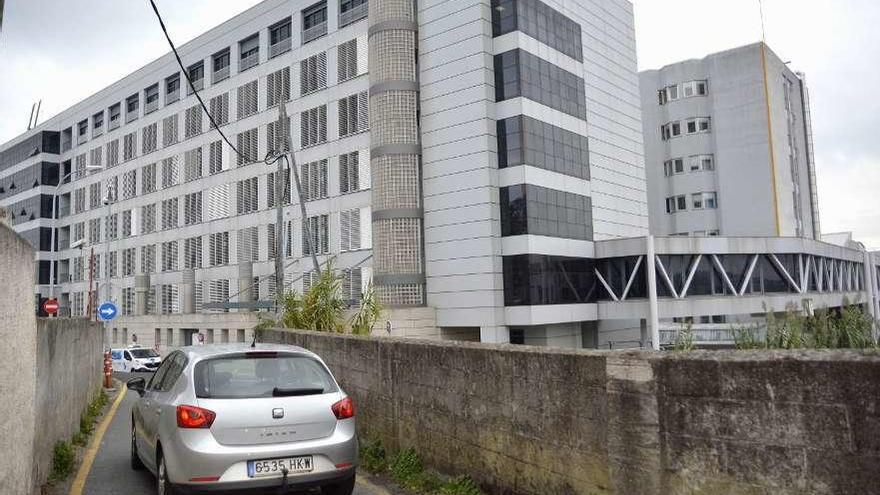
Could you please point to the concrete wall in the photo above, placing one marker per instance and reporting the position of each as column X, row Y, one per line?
column 69, row 371
column 17, row 346
column 524, row 420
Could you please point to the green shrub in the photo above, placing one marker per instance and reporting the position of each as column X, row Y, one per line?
column 63, row 460
column 373, row 458
column 684, row 341
column 79, row 439
column 462, row 485
column 406, row 467
column 86, row 424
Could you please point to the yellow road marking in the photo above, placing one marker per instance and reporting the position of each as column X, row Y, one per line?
column 80, row 481
column 370, row 486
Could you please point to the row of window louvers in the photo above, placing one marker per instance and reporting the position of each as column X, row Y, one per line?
column 353, row 234
column 353, row 118
column 351, row 62
column 353, row 176
column 167, row 298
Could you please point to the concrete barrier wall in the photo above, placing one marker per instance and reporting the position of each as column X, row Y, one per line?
column 17, row 362
column 69, row 372
column 540, row 421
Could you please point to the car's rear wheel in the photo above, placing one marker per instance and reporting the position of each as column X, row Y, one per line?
column 345, row 487
column 163, row 486
column 136, row 462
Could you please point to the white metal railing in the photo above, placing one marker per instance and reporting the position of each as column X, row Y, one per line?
column 280, row 47
column 114, row 123
column 199, row 84
column 220, row 75
column 172, row 96
column 97, row 131
column 722, row 334
column 249, row 61
column 314, row 32
column 131, row 116
column 353, row 15
column 81, row 138
column 151, row 106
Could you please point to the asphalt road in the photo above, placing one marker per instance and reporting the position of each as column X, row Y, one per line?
column 111, row 473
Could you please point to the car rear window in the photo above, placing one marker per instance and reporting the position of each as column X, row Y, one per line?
column 261, row 375
column 143, row 353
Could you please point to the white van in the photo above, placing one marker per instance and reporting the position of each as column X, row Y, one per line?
column 135, row 359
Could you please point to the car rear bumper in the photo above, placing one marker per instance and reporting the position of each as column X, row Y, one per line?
column 267, row 486
column 195, row 454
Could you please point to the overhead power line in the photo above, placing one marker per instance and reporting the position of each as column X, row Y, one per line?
column 188, row 80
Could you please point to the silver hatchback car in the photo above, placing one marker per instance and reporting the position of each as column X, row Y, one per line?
column 239, row 417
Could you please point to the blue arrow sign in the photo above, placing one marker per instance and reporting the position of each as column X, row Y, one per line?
column 107, row 311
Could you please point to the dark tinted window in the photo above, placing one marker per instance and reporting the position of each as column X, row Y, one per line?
column 261, row 375
column 314, row 15
column 519, row 73
column 160, row 373
column 526, row 141
column 529, row 209
column 43, row 142
column 535, row 279
column 540, row 21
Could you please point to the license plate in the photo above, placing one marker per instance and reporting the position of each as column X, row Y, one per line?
column 276, row 467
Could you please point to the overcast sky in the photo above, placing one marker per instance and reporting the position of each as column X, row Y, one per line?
column 65, row 50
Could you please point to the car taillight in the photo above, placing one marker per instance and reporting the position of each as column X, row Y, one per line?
column 343, row 409
column 194, row 417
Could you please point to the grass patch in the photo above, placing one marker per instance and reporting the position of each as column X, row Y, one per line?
column 407, row 469
column 79, row 439
column 63, row 461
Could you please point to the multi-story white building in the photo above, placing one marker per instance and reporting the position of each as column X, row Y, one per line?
column 461, row 155
column 728, row 147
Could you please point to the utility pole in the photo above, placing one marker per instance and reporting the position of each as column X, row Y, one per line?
column 279, row 220
column 299, row 191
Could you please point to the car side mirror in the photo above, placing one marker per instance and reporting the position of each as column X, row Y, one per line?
column 139, row 385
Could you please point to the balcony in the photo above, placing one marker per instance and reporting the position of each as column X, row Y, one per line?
column 97, row 131
column 280, row 47
column 81, row 138
column 249, row 61
column 114, row 123
column 172, row 97
column 199, row 84
column 354, row 15
column 314, row 32
column 220, row 75
column 131, row 116
column 151, row 106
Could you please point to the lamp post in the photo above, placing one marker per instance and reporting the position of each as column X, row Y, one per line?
column 54, row 227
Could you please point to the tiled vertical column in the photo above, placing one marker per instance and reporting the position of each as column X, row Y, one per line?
column 395, row 154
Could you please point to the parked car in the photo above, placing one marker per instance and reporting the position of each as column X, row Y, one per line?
column 135, row 359
column 241, row 417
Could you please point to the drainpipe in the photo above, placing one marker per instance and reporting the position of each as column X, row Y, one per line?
column 870, row 288
column 653, row 307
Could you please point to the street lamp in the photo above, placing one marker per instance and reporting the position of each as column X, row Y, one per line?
column 54, row 227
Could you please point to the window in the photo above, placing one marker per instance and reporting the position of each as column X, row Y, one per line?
column 539, row 21
column 279, row 38
column 278, row 135
column 95, row 157
column 94, row 230
column 151, row 99
column 314, row 180
column 170, row 208
column 97, row 123
column 170, row 132
column 691, row 126
column 192, row 253
column 148, row 259
column 169, row 256
column 196, row 73
column 519, row 73
column 248, row 244
column 148, row 178
column 314, row 22
column 248, row 52
column 313, row 73
column 533, row 210
column 129, row 146
column 313, row 128
column 536, row 279
column 131, row 107
column 79, row 200
column 349, row 173
column 192, row 164
column 697, row 201
column 347, row 61
column 218, row 248
column 192, row 121
column 248, row 95
column 702, row 163
column 94, row 195
column 113, row 153
column 148, row 219
column 350, row 230
column 688, row 89
column 247, row 197
column 673, row 167
column 676, row 203
column 352, row 286
column 128, row 262
column 215, row 157
column 247, row 147
column 278, row 87
column 82, row 129
column 112, row 227
column 218, row 202
column 221, row 65
column 148, row 139
column 351, row 11
column 172, row 88
column 523, row 140
column 270, row 189
column 354, row 114
column 112, row 270
column 316, row 229
column 192, row 208
column 129, row 184
column 115, row 112
column 219, row 106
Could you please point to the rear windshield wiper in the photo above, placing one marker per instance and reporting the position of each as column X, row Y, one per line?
column 295, row 392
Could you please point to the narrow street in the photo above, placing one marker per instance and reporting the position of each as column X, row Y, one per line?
column 111, row 473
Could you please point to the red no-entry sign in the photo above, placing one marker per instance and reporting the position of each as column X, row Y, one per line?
column 50, row 306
